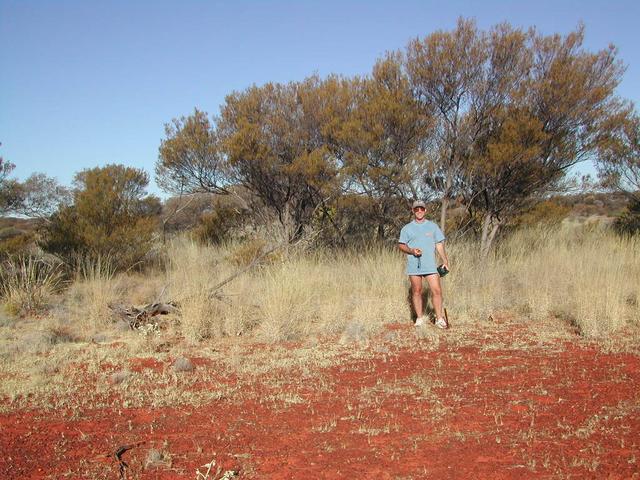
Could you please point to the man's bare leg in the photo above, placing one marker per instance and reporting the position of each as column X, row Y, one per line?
column 436, row 294
column 416, row 294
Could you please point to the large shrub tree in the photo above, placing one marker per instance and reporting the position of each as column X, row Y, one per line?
column 493, row 119
column 619, row 160
column 619, row 167
column 189, row 158
column 444, row 70
column 39, row 196
column 269, row 141
column 111, row 216
column 381, row 142
column 273, row 138
column 555, row 117
column 9, row 188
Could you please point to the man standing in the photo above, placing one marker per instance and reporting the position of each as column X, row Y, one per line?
column 420, row 239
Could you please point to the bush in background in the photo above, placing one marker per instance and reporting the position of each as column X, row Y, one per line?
column 217, row 225
column 629, row 222
column 16, row 244
column 547, row 212
column 111, row 216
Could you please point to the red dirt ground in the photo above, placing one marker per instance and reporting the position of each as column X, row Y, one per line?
column 565, row 411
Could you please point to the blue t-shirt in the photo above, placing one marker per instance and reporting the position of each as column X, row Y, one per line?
column 424, row 236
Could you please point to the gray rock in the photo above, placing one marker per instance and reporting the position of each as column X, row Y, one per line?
column 100, row 338
column 122, row 326
column 183, row 364
column 354, row 332
column 119, row 377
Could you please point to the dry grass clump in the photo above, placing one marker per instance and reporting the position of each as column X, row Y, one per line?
column 44, row 339
column 157, row 458
column 586, row 276
column 324, row 292
column 96, row 286
column 243, row 254
column 290, row 297
column 28, row 283
column 193, row 271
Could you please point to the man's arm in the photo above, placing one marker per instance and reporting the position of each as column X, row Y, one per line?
column 443, row 254
column 416, row 252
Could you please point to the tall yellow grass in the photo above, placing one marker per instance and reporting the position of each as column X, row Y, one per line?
column 293, row 297
column 586, row 276
column 28, row 283
column 192, row 272
column 95, row 287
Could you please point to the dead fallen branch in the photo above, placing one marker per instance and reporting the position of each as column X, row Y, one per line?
column 118, row 455
column 252, row 264
column 139, row 317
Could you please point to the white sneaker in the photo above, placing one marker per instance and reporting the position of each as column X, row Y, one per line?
column 419, row 322
column 442, row 323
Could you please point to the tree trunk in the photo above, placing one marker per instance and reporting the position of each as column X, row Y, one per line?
column 492, row 236
column 291, row 228
column 381, row 223
column 448, row 186
column 443, row 213
column 490, row 226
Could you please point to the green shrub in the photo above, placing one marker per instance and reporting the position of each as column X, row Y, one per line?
column 216, row 227
column 629, row 222
column 16, row 245
column 110, row 217
column 547, row 212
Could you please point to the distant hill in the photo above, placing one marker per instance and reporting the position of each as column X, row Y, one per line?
column 594, row 204
column 13, row 226
column 582, row 206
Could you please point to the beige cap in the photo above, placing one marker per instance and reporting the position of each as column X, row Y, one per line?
column 418, row 203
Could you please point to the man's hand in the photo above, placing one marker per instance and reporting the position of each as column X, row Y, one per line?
column 417, row 252
column 443, row 254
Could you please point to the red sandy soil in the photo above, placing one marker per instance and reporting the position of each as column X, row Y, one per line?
column 569, row 411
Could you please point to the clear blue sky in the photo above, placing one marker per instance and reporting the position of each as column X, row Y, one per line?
column 86, row 83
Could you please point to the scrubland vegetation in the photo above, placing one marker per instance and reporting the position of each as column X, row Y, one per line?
column 580, row 275
column 584, row 275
